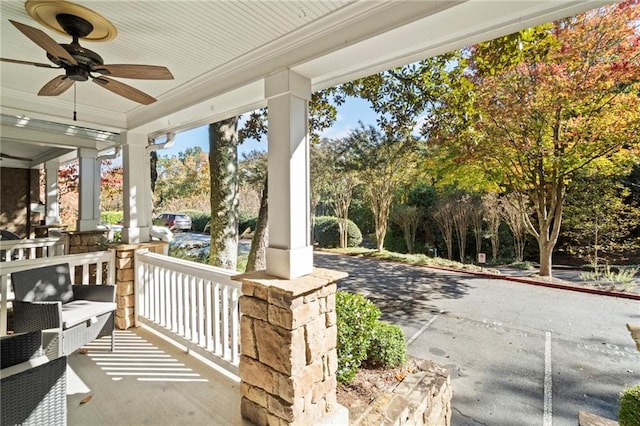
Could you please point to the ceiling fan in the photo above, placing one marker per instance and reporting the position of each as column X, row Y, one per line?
column 80, row 63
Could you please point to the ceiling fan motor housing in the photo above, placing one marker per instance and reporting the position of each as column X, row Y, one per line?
column 73, row 25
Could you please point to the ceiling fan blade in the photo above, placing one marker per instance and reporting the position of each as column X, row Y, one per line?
column 124, row 90
column 43, row 40
column 141, row 72
column 56, row 87
column 37, row 64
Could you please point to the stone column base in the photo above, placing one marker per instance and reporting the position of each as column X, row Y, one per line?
column 288, row 357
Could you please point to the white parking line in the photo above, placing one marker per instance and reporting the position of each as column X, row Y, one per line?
column 547, row 419
column 422, row 329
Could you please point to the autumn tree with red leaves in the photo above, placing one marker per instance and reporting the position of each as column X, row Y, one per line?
column 538, row 106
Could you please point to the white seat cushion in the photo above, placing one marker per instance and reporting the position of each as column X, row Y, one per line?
column 84, row 310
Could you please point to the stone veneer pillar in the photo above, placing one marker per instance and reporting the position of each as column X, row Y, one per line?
column 85, row 241
column 125, row 273
column 288, row 340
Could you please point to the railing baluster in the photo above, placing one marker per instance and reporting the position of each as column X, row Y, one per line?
column 235, row 326
column 185, row 311
column 225, row 322
column 179, row 306
column 217, row 345
column 201, row 312
column 208, row 319
column 193, row 308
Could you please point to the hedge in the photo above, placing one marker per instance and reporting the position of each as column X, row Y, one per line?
column 327, row 235
column 112, row 217
column 387, row 348
column 356, row 318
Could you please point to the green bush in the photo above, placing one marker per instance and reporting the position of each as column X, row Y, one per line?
column 112, row 217
column 629, row 414
column 199, row 219
column 387, row 348
column 327, row 235
column 246, row 222
column 394, row 241
column 525, row 265
column 356, row 318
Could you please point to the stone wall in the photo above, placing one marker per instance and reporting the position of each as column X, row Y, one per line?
column 125, row 275
column 288, row 339
column 86, row 241
column 422, row 398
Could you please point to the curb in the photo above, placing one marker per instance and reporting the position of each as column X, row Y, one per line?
column 530, row 281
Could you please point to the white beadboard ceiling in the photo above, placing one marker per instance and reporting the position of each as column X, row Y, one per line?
column 221, row 51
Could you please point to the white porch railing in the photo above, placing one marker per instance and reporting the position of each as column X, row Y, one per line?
column 12, row 250
column 197, row 303
column 98, row 267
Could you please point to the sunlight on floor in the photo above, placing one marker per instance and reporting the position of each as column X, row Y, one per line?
column 137, row 358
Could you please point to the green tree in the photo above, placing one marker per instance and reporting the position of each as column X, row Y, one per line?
column 598, row 219
column 183, row 181
column 493, row 217
column 335, row 180
column 384, row 164
column 408, row 218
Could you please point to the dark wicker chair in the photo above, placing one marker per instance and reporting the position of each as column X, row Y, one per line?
column 6, row 235
column 35, row 392
column 72, row 315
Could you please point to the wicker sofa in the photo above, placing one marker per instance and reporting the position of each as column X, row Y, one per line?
column 70, row 315
column 33, row 389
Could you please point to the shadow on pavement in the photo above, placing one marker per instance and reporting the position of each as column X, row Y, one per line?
column 403, row 293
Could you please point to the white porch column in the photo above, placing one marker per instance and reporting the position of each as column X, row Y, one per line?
column 51, row 169
column 89, row 190
column 290, row 253
column 137, row 189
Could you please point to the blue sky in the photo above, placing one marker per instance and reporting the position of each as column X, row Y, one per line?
column 352, row 111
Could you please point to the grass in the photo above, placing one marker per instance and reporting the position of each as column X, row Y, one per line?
column 412, row 259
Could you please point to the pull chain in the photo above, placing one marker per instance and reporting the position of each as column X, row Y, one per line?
column 74, row 101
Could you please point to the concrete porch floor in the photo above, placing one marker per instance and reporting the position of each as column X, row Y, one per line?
column 147, row 381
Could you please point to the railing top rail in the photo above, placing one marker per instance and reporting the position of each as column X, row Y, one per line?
column 72, row 259
column 199, row 270
column 30, row 243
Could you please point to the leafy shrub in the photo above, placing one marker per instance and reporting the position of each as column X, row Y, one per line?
column 246, row 222
column 112, row 217
column 524, row 265
column 199, row 219
column 629, row 414
column 387, row 348
column 327, row 235
column 356, row 318
column 611, row 274
column 394, row 240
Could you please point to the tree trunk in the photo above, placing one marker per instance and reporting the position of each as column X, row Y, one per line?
column 154, row 169
column 258, row 253
column 342, row 232
column 595, row 242
column 546, row 250
column 223, row 165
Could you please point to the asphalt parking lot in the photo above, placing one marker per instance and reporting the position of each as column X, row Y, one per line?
column 518, row 354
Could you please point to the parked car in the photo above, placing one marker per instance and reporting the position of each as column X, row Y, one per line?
column 174, row 221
